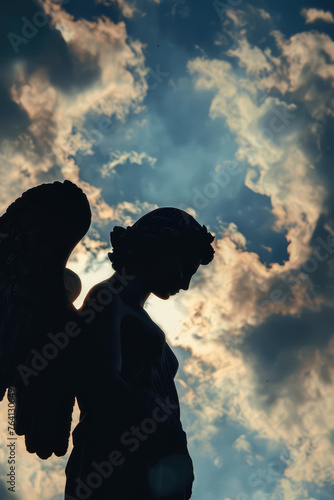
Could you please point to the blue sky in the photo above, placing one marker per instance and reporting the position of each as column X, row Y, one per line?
column 226, row 110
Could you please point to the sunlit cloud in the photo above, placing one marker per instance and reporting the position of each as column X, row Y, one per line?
column 314, row 15
column 237, row 283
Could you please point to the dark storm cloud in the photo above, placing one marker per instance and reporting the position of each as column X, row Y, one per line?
column 13, row 120
column 28, row 39
column 4, row 493
column 321, row 151
column 280, row 347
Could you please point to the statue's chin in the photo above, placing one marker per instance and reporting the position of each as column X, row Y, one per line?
column 163, row 295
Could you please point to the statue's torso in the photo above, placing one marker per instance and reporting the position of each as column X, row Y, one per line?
column 110, row 412
column 148, row 366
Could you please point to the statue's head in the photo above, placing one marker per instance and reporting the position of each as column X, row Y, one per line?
column 166, row 246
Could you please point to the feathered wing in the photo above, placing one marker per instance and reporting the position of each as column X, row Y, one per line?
column 39, row 326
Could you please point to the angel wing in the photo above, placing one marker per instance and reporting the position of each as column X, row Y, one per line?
column 38, row 324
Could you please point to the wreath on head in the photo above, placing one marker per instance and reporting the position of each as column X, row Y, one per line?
column 136, row 244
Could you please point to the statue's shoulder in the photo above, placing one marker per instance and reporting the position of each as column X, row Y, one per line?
column 102, row 305
column 104, row 294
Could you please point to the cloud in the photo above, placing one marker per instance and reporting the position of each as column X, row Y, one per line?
column 267, row 378
column 264, row 14
column 119, row 158
column 310, row 70
column 314, row 15
column 272, row 153
column 222, row 385
column 46, row 148
column 241, row 444
column 128, row 9
column 254, row 59
column 237, row 17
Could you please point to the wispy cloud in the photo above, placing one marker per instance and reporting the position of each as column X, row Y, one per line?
column 314, row 15
column 119, row 158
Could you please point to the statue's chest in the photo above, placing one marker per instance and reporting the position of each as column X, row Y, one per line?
column 142, row 342
column 144, row 350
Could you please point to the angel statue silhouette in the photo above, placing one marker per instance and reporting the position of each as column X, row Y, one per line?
column 109, row 354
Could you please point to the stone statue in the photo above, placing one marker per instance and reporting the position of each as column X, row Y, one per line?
column 109, row 354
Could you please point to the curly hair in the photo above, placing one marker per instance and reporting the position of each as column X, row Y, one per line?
column 164, row 230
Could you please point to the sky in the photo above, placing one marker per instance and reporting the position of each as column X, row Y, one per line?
column 225, row 110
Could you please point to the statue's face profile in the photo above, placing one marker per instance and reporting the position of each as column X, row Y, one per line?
column 170, row 273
